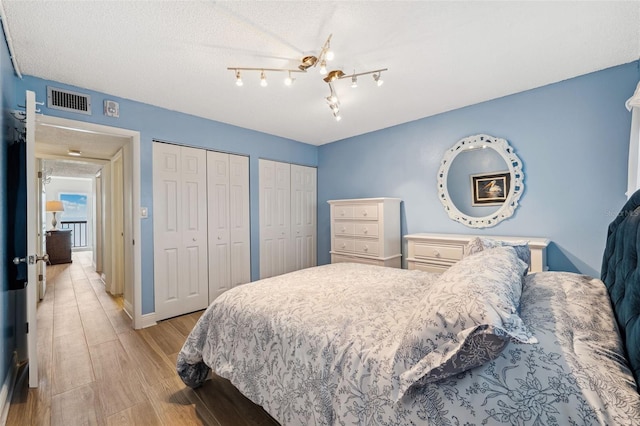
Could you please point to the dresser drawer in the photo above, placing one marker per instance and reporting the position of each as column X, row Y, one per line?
column 344, row 228
column 366, row 229
column 366, row 211
column 344, row 244
column 438, row 251
column 366, row 247
column 343, row 211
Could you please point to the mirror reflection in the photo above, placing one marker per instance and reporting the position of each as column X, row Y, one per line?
column 480, row 181
column 475, row 162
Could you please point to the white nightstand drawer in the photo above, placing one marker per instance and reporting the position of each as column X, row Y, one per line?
column 427, row 267
column 344, row 244
column 344, row 228
column 366, row 229
column 437, row 251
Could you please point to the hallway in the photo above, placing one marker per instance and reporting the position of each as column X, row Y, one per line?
column 96, row 370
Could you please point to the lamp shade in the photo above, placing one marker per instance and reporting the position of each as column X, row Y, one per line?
column 54, row 206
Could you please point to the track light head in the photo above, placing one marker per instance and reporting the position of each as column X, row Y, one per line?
column 354, row 81
column 333, row 76
column 307, row 62
column 238, row 79
column 263, row 79
column 288, row 81
column 323, row 67
column 378, row 79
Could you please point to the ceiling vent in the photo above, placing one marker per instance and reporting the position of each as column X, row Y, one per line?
column 67, row 100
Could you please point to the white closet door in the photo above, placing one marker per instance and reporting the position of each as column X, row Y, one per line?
column 303, row 216
column 180, row 230
column 218, row 199
column 275, row 213
column 229, row 237
column 239, row 220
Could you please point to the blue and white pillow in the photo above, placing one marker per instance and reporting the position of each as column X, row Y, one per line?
column 466, row 320
column 478, row 244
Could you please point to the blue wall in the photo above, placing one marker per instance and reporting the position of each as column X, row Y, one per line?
column 572, row 138
column 155, row 123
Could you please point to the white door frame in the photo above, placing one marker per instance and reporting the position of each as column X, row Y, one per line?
column 137, row 237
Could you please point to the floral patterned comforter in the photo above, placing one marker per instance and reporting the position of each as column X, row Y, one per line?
column 316, row 346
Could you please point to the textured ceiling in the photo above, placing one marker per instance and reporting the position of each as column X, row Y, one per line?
column 441, row 55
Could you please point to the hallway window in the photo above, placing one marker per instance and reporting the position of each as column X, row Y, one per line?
column 75, row 216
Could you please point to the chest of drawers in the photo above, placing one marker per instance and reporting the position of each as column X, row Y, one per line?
column 366, row 230
column 59, row 246
column 437, row 252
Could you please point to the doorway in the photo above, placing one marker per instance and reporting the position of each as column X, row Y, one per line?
column 56, row 138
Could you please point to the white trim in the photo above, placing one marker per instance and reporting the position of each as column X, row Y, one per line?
column 633, row 174
column 137, row 234
column 128, row 308
column 7, row 390
column 7, row 36
column 148, row 320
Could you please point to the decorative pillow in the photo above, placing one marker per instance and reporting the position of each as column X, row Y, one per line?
column 478, row 244
column 466, row 319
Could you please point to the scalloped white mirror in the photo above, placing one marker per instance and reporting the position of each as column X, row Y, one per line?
column 480, row 181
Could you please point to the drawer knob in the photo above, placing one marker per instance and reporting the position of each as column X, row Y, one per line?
column 436, row 253
column 344, row 245
column 366, row 248
column 341, row 212
column 365, row 230
column 344, row 229
column 364, row 212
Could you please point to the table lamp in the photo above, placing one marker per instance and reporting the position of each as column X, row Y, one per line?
column 54, row 207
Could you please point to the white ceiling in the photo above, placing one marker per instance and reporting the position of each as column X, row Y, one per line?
column 441, row 55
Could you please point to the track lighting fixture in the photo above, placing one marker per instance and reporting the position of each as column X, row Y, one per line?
column 323, row 67
column 289, row 81
column 378, row 79
column 310, row 61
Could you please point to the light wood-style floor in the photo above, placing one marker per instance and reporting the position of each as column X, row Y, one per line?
column 96, row 370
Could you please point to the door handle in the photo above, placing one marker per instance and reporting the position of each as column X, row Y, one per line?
column 19, row 260
column 44, row 257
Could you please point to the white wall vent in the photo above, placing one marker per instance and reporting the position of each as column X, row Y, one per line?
column 67, row 100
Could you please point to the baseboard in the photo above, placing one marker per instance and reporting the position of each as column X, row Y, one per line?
column 7, row 390
column 148, row 320
column 128, row 308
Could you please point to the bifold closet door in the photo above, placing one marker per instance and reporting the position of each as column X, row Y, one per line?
column 179, row 229
column 288, row 210
column 228, row 222
column 304, row 207
column 275, row 218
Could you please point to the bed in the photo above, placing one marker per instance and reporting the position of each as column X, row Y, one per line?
column 482, row 343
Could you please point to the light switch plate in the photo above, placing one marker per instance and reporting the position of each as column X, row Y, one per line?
column 144, row 212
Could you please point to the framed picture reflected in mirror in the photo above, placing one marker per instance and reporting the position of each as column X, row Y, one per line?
column 490, row 189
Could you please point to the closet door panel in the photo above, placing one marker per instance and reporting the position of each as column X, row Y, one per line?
column 219, row 250
column 180, row 230
column 303, row 215
column 275, row 213
column 239, row 219
column 194, row 228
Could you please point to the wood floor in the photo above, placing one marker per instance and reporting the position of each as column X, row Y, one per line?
column 96, row 370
